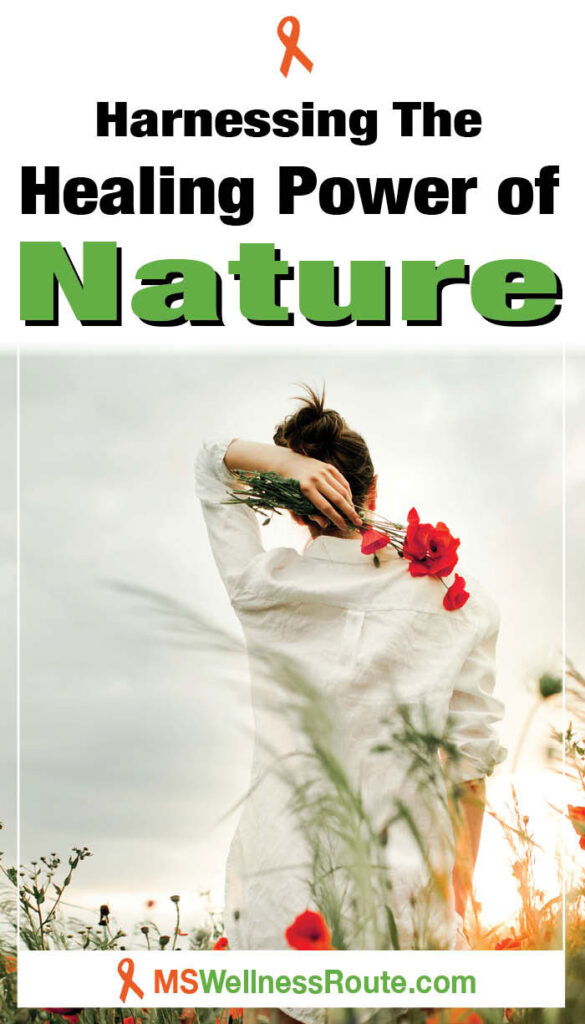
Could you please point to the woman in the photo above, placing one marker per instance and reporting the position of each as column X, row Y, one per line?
column 387, row 659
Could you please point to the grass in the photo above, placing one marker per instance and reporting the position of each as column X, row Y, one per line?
column 349, row 882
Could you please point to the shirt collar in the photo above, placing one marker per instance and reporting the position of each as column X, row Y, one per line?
column 344, row 549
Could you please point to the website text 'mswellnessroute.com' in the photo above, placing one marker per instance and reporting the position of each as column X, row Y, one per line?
column 190, row 980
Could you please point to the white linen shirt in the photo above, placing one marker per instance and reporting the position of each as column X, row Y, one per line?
column 369, row 640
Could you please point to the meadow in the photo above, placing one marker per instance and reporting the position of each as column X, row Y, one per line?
column 44, row 886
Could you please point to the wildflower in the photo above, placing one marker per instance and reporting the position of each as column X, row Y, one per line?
column 132, row 1020
column 10, row 964
column 164, row 940
column 308, row 931
column 372, row 541
column 577, row 817
column 431, row 550
column 456, row 595
column 175, row 899
column 104, row 914
column 221, row 943
column 234, row 1013
column 511, row 942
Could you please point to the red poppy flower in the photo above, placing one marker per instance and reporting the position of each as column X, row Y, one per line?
column 577, row 816
column 509, row 943
column 456, row 595
column 10, row 965
column 64, row 1011
column 372, row 541
column 308, row 931
column 221, row 943
column 234, row 1013
column 132, row 1020
column 431, row 550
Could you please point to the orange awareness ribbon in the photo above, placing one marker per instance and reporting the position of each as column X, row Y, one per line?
column 290, row 45
column 126, row 972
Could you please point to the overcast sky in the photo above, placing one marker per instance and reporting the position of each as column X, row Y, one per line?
column 135, row 745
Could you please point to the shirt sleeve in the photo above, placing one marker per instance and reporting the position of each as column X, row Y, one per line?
column 234, row 532
column 474, row 746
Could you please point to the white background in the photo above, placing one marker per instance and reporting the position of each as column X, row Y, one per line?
column 529, row 978
column 513, row 63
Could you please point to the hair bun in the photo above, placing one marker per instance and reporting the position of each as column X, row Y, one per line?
column 323, row 434
column 312, row 429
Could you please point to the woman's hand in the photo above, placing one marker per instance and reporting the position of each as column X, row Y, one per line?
column 324, row 486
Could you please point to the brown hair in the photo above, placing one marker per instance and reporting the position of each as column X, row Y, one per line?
column 323, row 434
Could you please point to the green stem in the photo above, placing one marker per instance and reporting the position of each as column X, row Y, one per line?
column 177, row 923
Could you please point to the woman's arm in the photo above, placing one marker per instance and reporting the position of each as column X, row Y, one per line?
column 233, row 529
column 467, row 824
column 474, row 747
column 323, row 484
